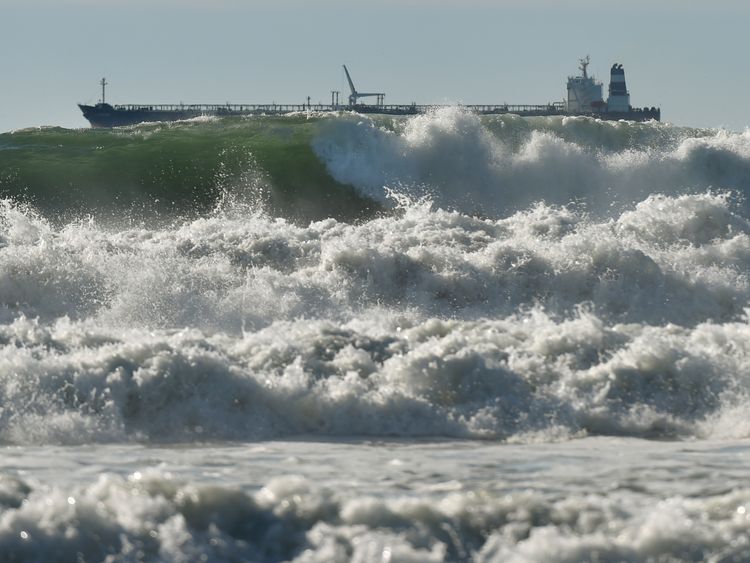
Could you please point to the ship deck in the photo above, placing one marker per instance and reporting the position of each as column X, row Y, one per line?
column 278, row 109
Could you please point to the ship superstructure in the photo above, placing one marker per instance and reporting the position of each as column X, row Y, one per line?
column 584, row 92
column 584, row 98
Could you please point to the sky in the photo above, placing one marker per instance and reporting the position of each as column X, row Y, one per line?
column 688, row 57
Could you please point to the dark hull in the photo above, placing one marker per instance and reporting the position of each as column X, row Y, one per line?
column 105, row 115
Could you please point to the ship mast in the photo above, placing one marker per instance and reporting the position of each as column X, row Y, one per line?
column 103, row 83
column 584, row 64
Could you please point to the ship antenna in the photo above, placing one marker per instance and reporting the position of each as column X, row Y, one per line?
column 103, row 83
column 584, row 63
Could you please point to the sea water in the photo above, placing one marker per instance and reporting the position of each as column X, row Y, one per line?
column 350, row 338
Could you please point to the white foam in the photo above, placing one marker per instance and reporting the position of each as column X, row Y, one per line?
column 476, row 166
column 152, row 516
column 423, row 322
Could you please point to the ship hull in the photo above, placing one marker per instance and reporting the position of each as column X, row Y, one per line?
column 106, row 116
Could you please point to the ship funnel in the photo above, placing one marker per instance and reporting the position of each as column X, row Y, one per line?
column 619, row 98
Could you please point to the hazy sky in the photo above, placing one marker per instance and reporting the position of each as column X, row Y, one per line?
column 689, row 57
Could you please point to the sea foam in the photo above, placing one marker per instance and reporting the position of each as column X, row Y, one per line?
column 420, row 323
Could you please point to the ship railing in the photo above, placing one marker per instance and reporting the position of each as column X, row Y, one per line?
column 517, row 108
column 472, row 107
column 259, row 109
column 219, row 108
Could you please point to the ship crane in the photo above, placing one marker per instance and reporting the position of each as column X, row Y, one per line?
column 354, row 96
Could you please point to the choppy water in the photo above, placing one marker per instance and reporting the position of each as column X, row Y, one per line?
column 340, row 338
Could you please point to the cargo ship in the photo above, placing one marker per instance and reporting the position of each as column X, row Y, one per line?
column 584, row 98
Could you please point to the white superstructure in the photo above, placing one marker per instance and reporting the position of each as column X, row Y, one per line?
column 584, row 92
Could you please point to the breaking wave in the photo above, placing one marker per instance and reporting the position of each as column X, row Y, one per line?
column 497, row 165
column 344, row 166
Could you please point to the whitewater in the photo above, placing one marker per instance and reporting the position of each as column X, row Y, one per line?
column 323, row 338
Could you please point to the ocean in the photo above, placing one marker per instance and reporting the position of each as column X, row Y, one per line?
column 334, row 338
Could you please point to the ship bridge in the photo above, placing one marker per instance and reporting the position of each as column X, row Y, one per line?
column 584, row 92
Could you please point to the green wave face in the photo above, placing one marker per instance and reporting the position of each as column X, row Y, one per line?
column 182, row 168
